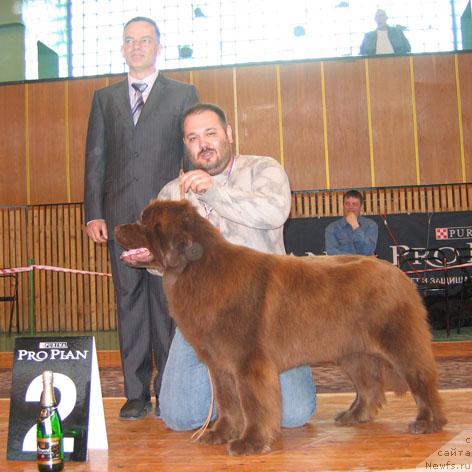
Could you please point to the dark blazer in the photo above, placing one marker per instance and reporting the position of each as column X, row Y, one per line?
column 397, row 38
column 126, row 165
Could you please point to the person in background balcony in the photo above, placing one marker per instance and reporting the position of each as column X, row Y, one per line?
column 385, row 39
column 353, row 233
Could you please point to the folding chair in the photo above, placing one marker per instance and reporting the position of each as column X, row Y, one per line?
column 9, row 293
column 463, row 257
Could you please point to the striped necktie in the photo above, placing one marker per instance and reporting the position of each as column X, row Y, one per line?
column 138, row 100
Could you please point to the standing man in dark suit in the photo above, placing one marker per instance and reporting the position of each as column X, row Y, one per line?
column 134, row 147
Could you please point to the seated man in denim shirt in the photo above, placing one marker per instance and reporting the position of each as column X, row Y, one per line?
column 352, row 234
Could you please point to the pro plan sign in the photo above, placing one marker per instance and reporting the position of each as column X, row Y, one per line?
column 73, row 361
column 54, row 350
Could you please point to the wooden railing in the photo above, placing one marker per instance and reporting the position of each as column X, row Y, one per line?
column 56, row 300
column 387, row 200
column 53, row 235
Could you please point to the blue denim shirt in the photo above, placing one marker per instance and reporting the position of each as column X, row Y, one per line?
column 341, row 239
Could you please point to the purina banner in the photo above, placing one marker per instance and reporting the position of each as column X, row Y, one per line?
column 73, row 361
column 446, row 231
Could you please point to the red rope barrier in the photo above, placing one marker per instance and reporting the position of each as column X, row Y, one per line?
column 16, row 270
column 458, row 266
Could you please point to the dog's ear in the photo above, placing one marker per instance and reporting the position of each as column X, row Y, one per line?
column 193, row 252
column 183, row 249
column 185, row 252
column 131, row 236
column 174, row 258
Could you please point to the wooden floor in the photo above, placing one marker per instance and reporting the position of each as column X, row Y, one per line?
column 147, row 445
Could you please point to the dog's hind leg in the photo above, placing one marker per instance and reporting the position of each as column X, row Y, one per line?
column 230, row 421
column 258, row 386
column 421, row 376
column 410, row 353
column 366, row 373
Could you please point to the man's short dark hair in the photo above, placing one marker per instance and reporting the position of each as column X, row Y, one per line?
column 202, row 107
column 147, row 20
column 353, row 194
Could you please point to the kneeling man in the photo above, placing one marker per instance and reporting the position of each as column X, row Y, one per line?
column 248, row 199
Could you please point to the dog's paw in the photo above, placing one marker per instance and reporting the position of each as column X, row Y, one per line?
column 243, row 447
column 345, row 418
column 348, row 418
column 422, row 427
column 213, row 437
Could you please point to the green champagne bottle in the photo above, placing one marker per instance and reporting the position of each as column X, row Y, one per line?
column 49, row 429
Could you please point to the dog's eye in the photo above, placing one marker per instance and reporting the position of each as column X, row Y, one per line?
column 145, row 218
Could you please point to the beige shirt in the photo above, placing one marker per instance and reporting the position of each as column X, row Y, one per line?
column 249, row 203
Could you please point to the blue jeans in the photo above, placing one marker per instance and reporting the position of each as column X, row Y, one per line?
column 186, row 393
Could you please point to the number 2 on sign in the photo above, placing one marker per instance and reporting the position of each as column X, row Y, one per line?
column 68, row 398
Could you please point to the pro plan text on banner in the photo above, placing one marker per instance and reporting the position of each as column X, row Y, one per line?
column 73, row 361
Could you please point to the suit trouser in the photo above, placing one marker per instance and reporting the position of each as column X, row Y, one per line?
column 144, row 326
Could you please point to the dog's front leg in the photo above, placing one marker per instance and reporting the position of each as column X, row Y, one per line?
column 259, row 391
column 230, row 422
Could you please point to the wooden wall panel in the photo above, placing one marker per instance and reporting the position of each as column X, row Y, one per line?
column 303, row 131
column 12, row 145
column 348, row 137
column 41, row 156
column 47, row 142
column 180, row 75
column 113, row 79
column 257, row 110
column 437, row 118
column 53, row 115
column 392, row 121
column 80, row 94
column 464, row 62
column 216, row 86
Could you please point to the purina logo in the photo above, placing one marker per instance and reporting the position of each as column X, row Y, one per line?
column 53, row 345
column 459, row 232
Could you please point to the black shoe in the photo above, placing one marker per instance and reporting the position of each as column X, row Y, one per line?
column 157, row 412
column 135, row 409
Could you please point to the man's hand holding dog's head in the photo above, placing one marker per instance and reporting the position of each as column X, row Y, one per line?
column 197, row 180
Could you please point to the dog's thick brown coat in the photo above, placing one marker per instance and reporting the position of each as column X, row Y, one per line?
column 251, row 315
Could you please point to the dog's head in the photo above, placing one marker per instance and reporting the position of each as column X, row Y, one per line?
column 167, row 230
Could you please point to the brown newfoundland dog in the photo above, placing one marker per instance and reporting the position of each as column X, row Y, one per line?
column 251, row 315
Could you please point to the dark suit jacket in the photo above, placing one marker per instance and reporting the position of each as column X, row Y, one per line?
column 126, row 165
column 397, row 38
